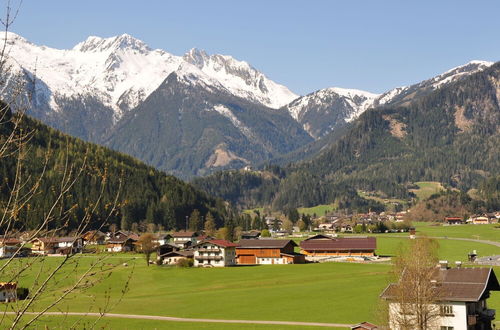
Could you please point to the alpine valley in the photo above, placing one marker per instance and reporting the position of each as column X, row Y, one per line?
column 198, row 114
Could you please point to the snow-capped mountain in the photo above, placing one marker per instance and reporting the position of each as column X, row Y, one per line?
column 406, row 93
column 324, row 110
column 328, row 109
column 192, row 125
column 114, row 75
column 241, row 79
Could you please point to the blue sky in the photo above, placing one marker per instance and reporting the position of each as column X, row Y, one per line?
column 305, row 45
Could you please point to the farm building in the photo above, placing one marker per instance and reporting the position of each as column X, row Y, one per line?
column 364, row 326
column 267, row 251
column 453, row 220
column 215, row 253
column 321, row 246
column 461, row 299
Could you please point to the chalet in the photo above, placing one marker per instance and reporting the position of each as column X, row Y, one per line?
column 253, row 234
column 165, row 249
column 364, row 326
column 479, row 220
column 9, row 247
column 462, row 296
column 161, row 239
column 121, row 244
column 329, row 227
column 215, row 253
column 8, row 291
column 185, row 239
column 453, row 220
column 321, row 246
column 172, row 258
column 95, row 237
column 57, row 245
column 267, row 251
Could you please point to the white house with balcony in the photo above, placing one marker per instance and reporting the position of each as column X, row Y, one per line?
column 215, row 253
column 460, row 300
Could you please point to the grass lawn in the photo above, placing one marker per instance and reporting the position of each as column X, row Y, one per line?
column 484, row 232
column 426, row 189
column 319, row 210
column 449, row 249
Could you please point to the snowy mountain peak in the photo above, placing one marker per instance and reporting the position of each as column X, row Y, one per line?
column 240, row 78
column 123, row 42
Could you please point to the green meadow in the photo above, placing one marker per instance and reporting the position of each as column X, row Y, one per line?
column 426, row 189
column 482, row 232
column 319, row 210
column 323, row 292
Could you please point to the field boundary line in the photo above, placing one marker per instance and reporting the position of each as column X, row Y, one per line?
column 194, row 320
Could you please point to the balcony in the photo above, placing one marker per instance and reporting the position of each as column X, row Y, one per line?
column 216, row 250
column 201, row 258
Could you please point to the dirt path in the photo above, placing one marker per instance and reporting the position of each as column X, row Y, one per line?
column 181, row 319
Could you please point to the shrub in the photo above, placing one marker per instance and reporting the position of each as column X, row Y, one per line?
column 22, row 293
column 185, row 262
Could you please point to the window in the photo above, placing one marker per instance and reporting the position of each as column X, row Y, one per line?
column 446, row 310
column 446, row 328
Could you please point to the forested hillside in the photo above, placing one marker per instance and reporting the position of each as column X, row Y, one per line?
column 450, row 135
column 145, row 195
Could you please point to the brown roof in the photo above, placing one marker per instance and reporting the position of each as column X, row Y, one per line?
column 459, row 284
column 186, row 253
column 336, row 244
column 365, row 325
column 265, row 243
column 56, row 239
column 9, row 241
column 222, row 242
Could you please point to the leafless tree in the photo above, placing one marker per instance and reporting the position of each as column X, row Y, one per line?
column 147, row 245
column 413, row 302
column 40, row 274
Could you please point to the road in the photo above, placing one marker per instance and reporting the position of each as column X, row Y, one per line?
column 182, row 319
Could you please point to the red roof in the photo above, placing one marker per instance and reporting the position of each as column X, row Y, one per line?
column 336, row 244
column 222, row 242
column 452, row 218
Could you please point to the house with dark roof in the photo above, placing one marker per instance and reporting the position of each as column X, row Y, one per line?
column 267, row 252
column 9, row 247
column 185, row 239
column 252, row 234
column 461, row 297
column 453, row 220
column 122, row 241
column 215, row 253
column 321, row 246
column 172, row 258
column 96, row 237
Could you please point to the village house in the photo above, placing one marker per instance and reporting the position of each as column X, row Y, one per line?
column 165, row 249
column 121, row 244
column 479, row 220
column 9, row 247
column 215, row 253
column 267, row 252
column 57, row 245
column 94, row 237
column 320, row 247
column 172, row 258
column 8, row 291
column 161, row 239
column 462, row 295
column 185, row 239
column 453, row 220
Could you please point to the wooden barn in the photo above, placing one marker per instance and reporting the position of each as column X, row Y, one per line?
column 267, row 251
column 325, row 246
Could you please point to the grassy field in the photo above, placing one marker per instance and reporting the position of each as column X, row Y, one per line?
column 449, row 249
column 426, row 189
column 307, row 293
column 483, row 232
column 319, row 210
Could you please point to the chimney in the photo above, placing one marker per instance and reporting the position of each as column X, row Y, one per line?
column 458, row 264
column 443, row 264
